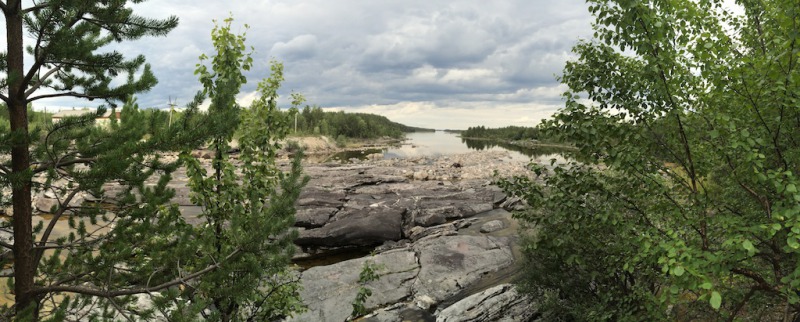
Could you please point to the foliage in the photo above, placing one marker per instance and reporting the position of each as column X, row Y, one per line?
column 248, row 206
column 68, row 59
column 114, row 246
column 503, row 133
column 369, row 273
column 686, row 204
column 349, row 125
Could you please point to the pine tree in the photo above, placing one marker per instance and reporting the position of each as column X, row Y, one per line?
column 64, row 59
column 113, row 239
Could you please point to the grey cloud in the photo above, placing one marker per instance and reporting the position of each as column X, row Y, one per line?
column 358, row 53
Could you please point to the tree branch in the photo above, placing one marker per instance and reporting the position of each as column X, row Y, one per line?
column 85, row 290
column 62, row 207
column 35, row 8
column 41, row 80
column 73, row 94
column 59, row 164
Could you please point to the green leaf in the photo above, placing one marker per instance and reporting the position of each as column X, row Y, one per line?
column 706, row 285
column 792, row 242
column 791, row 188
column 716, row 300
column 748, row 245
column 678, row 271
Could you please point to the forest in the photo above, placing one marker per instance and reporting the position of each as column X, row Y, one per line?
column 315, row 121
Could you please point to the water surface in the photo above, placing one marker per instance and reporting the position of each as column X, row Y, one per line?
column 440, row 143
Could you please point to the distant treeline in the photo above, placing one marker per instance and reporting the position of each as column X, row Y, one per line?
column 310, row 120
column 313, row 120
column 508, row 133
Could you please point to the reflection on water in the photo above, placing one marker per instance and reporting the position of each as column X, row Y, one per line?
column 435, row 144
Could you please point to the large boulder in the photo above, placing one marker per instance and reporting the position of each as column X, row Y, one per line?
column 356, row 227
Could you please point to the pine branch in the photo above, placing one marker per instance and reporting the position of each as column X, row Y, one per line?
column 4, row 98
column 71, row 93
column 41, row 80
column 48, row 165
column 86, row 290
column 46, row 235
column 34, row 8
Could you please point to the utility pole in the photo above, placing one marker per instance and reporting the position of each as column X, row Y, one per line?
column 171, row 108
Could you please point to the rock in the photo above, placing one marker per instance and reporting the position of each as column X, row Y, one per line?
column 492, row 226
column 420, row 175
column 419, row 233
column 499, row 303
column 427, row 218
column 360, row 227
column 424, row 302
column 464, row 223
column 313, row 217
column 401, row 312
column 510, row 203
column 450, row 263
column 46, row 204
column 329, row 290
column 314, row 198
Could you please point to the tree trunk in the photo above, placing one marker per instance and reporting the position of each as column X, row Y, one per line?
column 24, row 266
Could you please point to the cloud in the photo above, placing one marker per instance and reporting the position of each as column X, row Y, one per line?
column 299, row 48
column 458, row 115
column 418, row 61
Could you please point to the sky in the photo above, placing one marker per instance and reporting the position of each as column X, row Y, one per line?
column 433, row 64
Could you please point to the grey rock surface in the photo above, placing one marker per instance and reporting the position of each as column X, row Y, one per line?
column 492, row 226
column 360, row 227
column 500, row 303
column 328, row 291
column 450, row 263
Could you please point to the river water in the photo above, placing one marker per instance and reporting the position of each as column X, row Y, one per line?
column 440, row 143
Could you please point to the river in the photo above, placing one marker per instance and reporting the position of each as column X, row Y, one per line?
column 440, row 143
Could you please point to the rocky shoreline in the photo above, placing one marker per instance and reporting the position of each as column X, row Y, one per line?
column 438, row 229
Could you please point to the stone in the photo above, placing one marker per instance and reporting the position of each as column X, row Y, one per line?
column 313, row 217
column 420, row 175
column 359, row 227
column 499, row 303
column 492, row 226
column 418, row 233
column 450, row 263
column 329, row 290
column 427, row 218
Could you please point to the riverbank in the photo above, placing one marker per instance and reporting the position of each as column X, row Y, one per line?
column 526, row 144
column 323, row 145
column 438, row 228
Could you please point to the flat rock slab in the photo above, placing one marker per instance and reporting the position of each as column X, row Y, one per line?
column 450, row 263
column 499, row 303
column 421, row 275
column 329, row 291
